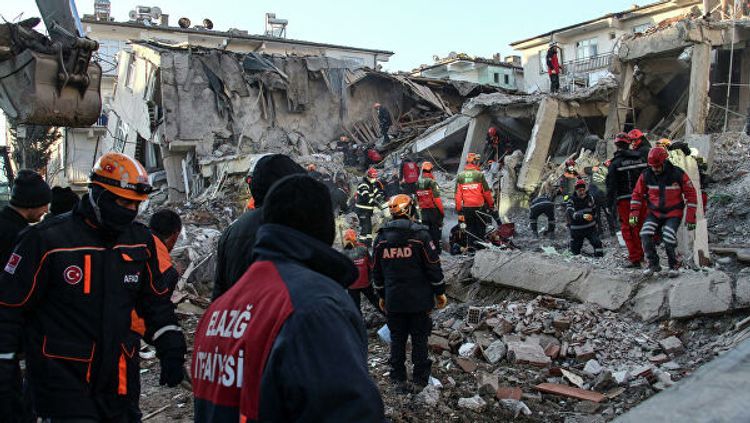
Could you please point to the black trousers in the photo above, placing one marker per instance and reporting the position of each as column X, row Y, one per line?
column 547, row 210
column 668, row 227
column 577, row 236
column 419, row 327
column 554, row 80
column 369, row 293
column 434, row 221
column 384, row 131
column 475, row 224
column 365, row 224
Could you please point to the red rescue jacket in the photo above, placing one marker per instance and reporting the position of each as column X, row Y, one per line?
column 361, row 258
column 666, row 194
column 428, row 194
column 472, row 189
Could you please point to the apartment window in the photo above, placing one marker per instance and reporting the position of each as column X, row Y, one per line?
column 497, row 78
column 130, row 77
column 641, row 28
column 543, row 61
column 506, row 79
column 586, row 48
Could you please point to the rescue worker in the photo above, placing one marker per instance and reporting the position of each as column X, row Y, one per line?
column 384, row 120
column 639, row 143
column 408, row 175
column 63, row 200
column 553, row 67
column 542, row 205
column 581, row 211
column 312, row 170
column 667, row 191
column 66, row 297
column 492, row 149
column 234, row 251
column 391, row 185
column 473, row 198
column 251, row 201
column 624, row 170
column 430, row 204
column 459, row 240
column 408, row 278
column 360, row 256
column 369, row 196
column 567, row 182
column 29, row 201
column 291, row 344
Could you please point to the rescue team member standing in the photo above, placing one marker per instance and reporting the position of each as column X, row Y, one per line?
column 666, row 190
column 360, row 256
column 369, row 195
column 384, row 120
column 290, row 343
column 66, row 297
column 639, row 143
column 408, row 175
column 581, row 211
column 409, row 281
column 234, row 251
column 430, row 203
column 553, row 67
column 473, row 196
column 29, row 201
column 624, row 170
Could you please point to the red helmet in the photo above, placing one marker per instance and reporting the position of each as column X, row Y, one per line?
column 372, row 173
column 623, row 138
column 635, row 134
column 657, row 156
column 570, row 162
column 580, row 183
column 492, row 131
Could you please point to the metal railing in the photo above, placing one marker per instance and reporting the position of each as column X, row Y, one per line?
column 588, row 64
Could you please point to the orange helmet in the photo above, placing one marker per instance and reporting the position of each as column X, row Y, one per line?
column 472, row 158
column 400, row 205
column 664, row 143
column 121, row 175
column 461, row 218
column 350, row 236
column 427, row 167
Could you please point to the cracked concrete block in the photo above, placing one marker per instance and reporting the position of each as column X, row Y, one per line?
column 699, row 293
column 742, row 293
column 539, row 144
column 607, row 290
column 526, row 271
column 650, row 302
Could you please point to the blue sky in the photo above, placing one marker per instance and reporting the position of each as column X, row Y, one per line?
column 414, row 29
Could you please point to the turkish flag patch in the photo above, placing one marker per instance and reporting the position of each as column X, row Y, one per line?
column 73, row 275
column 12, row 264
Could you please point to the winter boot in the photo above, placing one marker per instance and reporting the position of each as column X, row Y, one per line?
column 651, row 270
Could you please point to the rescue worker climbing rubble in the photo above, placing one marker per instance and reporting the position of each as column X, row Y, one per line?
column 369, row 197
column 474, row 199
column 581, row 211
column 66, row 296
column 408, row 278
column 668, row 193
column 430, row 204
column 624, row 170
column 291, row 344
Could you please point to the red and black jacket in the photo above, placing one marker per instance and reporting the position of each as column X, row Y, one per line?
column 361, row 259
column 624, row 170
column 406, row 267
column 290, row 342
column 665, row 194
column 428, row 194
column 67, row 293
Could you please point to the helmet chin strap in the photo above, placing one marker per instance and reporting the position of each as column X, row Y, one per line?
column 95, row 206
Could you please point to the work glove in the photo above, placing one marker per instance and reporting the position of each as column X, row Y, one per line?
column 441, row 301
column 633, row 220
column 171, row 350
column 381, row 304
column 691, row 226
column 588, row 217
column 566, row 197
column 11, row 403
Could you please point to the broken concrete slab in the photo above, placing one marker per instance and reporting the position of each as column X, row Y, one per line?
column 650, row 302
column 584, row 352
column 538, row 149
column 475, row 403
column 700, row 71
column 571, row 392
column 508, row 392
column 438, row 344
column 699, row 293
column 495, row 352
column 466, row 364
column 533, row 272
column 528, row 353
column 672, row 345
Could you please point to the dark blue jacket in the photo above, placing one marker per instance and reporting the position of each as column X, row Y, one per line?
column 291, row 341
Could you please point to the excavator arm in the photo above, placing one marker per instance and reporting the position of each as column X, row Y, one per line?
column 50, row 80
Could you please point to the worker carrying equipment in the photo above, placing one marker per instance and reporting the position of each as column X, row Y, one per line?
column 473, row 198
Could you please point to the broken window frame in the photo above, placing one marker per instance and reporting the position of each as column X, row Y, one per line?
column 588, row 48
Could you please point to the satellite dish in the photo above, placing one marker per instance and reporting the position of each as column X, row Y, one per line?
column 132, row 15
column 155, row 12
column 435, row 57
column 184, row 23
column 452, row 55
column 208, row 24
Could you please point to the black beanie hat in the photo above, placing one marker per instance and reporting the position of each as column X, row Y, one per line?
column 267, row 171
column 302, row 203
column 63, row 200
column 29, row 190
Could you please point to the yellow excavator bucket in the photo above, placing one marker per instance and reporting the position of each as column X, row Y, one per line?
column 29, row 92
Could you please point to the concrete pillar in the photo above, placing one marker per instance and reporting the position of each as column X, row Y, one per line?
column 700, row 70
column 538, row 148
column 618, row 106
column 475, row 137
column 173, row 167
column 744, row 100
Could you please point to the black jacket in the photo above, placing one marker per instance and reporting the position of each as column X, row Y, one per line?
column 541, row 205
column 384, row 117
column 11, row 224
column 68, row 297
column 643, row 150
column 292, row 332
column 234, row 252
column 406, row 267
column 623, row 173
column 577, row 207
column 369, row 194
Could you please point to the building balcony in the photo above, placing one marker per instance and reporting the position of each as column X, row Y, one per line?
column 589, row 64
